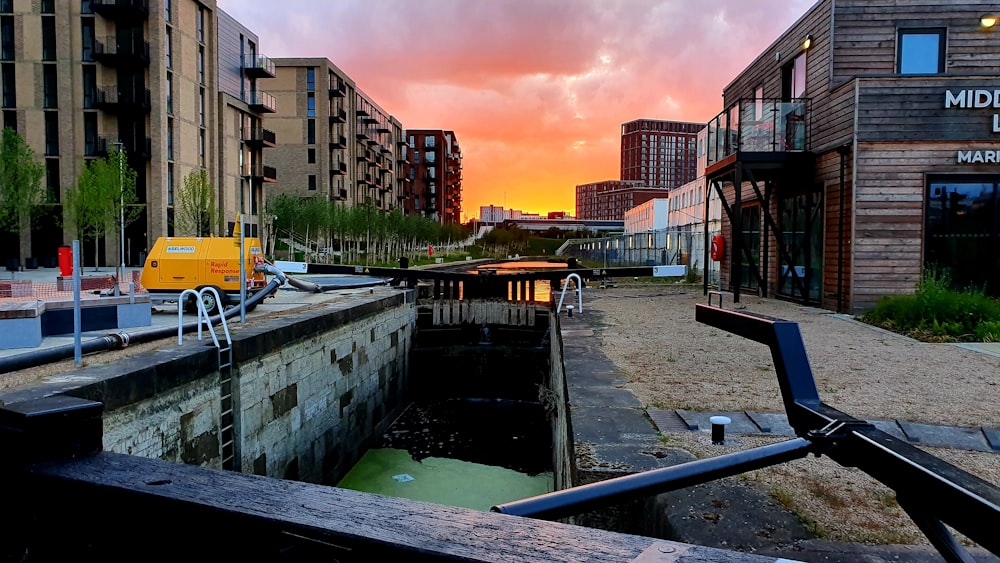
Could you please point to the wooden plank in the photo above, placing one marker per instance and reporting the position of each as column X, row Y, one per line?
column 329, row 520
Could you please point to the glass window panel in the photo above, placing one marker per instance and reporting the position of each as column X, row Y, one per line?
column 920, row 52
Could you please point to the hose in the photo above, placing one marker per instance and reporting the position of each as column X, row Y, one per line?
column 119, row 340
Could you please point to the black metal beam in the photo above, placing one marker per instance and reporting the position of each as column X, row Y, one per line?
column 560, row 504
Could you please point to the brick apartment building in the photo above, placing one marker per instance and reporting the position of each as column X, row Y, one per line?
column 175, row 82
column 660, row 154
column 334, row 141
column 610, row 199
column 434, row 168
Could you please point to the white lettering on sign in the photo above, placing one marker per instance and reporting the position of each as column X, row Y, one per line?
column 183, row 249
column 972, row 98
column 978, row 157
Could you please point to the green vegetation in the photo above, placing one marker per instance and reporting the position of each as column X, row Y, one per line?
column 194, row 209
column 937, row 313
column 333, row 232
column 21, row 190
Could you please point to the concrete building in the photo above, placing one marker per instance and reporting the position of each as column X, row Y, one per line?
column 334, row 141
column 659, row 154
column 610, row 199
column 857, row 150
column 434, row 169
column 648, row 216
column 81, row 76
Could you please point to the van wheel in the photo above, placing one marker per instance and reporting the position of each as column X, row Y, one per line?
column 212, row 306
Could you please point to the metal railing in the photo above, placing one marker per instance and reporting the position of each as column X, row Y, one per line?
column 759, row 125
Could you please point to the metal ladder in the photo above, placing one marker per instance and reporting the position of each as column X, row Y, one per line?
column 227, row 416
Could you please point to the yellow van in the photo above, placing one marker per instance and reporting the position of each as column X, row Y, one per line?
column 178, row 263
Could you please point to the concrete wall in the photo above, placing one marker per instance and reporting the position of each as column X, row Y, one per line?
column 311, row 389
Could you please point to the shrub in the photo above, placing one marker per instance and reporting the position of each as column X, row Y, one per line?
column 938, row 313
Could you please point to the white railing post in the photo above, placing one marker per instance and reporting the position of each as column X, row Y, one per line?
column 579, row 293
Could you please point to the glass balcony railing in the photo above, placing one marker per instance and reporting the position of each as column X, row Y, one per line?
column 759, row 125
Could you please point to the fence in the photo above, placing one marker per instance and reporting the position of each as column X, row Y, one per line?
column 651, row 248
column 91, row 287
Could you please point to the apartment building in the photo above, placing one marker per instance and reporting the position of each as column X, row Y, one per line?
column 610, row 199
column 659, row 154
column 862, row 143
column 81, row 76
column 434, row 169
column 333, row 140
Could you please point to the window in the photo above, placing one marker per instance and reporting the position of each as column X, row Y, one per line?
column 87, row 29
column 48, row 7
column 311, row 105
column 52, row 179
column 428, row 141
column 9, row 90
column 310, row 131
column 201, row 107
column 430, row 157
column 6, row 6
column 201, row 24
column 170, row 139
column 169, row 49
column 49, row 38
column 51, row 133
column 758, row 110
column 10, row 119
column 311, row 156
column 201, row 148
column 170, row 183
column 201, row 65
column 90, row 133
column 312, row 182
column 920, row 51
column 310, row 79
column 166, row 10
column 50, row 99
column 793, row 78
column 170, row 92
column 7, row 38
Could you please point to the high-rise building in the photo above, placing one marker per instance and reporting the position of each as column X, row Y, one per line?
column 435, row 171
column 333, row 140
column 660, row 154
column 610, row 199
column 82, row 76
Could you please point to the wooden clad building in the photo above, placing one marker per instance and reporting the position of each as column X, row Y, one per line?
column 865, row 143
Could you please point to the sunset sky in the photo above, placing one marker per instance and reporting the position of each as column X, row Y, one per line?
column 535, row 90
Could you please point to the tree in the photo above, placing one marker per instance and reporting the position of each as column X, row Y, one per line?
column 103, row 195
column 21, row 188
column 194, row 207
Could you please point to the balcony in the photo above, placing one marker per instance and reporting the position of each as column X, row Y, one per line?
column 259, row 174
column 101, row 146
column 341, row 195
column 338, row 142
column 114, row 53
column 758, row 130
column 361, row 112
column 362, row 135
column 338, row 116
column 113, row 100
column 338, row 90
column 258, row 138
column 339, row 168
column 260, row 102
column 258, row 66
column 121, row 9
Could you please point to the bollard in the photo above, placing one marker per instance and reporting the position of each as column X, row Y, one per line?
column 719, row 428
column 569, row 310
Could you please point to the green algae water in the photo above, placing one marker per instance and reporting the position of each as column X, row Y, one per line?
column 451, row 482
column 470, row 453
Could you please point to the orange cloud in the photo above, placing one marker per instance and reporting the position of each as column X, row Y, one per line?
column 536, row 92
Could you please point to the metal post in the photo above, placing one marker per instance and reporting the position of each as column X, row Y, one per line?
column 243, row 273
column 77, row 346
column 121, row 207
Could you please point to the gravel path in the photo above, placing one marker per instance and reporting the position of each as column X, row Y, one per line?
column 671, row 361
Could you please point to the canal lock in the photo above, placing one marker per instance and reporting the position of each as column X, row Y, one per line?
column 481, row 423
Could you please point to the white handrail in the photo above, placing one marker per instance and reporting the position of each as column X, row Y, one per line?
column 203, row 317
column 579, row 294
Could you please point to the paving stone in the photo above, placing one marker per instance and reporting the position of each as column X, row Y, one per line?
column 689, row 418
column 993, row 437
column 605, row 425
column 946, row 436
column 889, row 427
column 667, row 421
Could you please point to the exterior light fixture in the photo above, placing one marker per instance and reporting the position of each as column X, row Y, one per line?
column 988, row 21
column 807, row 42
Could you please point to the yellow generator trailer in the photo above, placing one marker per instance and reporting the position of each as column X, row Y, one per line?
column 178, row 263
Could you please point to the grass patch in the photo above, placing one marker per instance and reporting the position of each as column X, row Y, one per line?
column 938, row 313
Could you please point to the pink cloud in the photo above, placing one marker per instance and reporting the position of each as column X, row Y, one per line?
column 536, row 92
